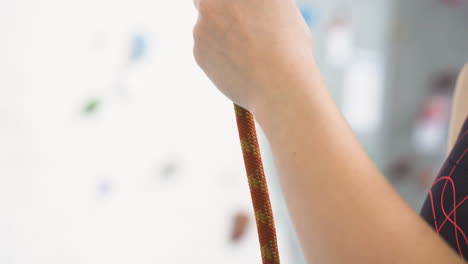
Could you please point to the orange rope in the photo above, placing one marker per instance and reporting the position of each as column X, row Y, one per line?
column 258, row 186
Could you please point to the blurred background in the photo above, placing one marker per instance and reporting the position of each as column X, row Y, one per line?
column 115, row 148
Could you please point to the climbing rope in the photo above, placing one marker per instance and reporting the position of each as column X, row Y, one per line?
column 258, row 186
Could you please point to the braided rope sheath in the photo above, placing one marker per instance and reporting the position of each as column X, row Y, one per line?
column 258, row 186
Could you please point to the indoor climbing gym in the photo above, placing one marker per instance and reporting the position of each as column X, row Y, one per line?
column 228, row 132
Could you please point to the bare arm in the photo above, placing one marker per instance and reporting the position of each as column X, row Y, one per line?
column 258, row 53
column 343, row 209
column 460, row 107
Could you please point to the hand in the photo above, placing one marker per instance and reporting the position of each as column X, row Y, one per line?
column 244, row 46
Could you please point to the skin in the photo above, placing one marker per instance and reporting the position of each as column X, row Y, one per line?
column 460, row 107
column 258, row 53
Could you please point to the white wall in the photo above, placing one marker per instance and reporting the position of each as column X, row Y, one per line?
column 78, row 188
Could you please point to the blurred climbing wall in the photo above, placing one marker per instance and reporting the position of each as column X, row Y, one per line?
column 391, row 65
column 427, row 49
column 114, row 146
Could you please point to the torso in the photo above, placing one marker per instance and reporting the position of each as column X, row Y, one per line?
column 446, row 207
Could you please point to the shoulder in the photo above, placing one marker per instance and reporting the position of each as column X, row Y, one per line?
column 464, row 73
column 460, row 107
column 463, row 78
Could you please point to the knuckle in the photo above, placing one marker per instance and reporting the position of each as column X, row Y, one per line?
column 197, row 35
column 197, row 43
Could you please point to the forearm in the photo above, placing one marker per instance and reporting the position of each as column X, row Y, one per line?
column 343, row 209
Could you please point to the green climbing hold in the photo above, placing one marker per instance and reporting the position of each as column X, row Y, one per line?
column 91, row 106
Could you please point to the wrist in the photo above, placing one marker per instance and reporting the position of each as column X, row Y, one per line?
column 292, row 88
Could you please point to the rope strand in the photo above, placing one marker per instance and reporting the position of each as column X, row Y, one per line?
column 258, row 186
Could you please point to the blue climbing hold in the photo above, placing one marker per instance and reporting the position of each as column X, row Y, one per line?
column 138, row 47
